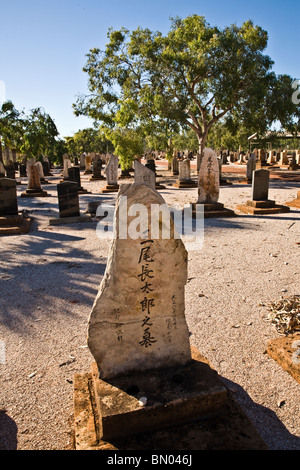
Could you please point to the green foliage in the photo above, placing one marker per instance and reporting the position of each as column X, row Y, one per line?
column 128, row 144
column 88, row 140
column 192, row 77
column 39, row 134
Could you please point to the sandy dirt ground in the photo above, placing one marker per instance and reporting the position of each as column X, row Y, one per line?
column 49, row 279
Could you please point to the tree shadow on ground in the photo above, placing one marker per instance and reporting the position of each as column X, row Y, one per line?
column 41, row 269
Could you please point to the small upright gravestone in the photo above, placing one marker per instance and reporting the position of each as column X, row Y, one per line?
column 88, row 164
column 260, row 204
column 251, row 166
column 184, row 175
column 74, row 175
column 151, row 165
column 11, row 223
column 145, row 375
column 97, row 168
column 111, row 173
column 143, row 174
column 68, row 203
column 34, row 188
column 209, row 186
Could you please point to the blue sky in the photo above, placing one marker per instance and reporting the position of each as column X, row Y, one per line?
column 43, row 43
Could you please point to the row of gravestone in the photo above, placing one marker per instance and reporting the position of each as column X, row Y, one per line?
column 208, row 186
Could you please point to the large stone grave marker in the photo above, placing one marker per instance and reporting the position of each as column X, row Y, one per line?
column 88, row 164
column 145, row 375
column 260, row 204
column 209, row 186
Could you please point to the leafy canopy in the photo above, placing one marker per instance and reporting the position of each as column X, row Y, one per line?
column 192, row 77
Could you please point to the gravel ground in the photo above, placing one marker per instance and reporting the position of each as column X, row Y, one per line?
column 49, row 279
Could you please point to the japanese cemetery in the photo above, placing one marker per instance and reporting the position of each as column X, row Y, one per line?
column 150, row 264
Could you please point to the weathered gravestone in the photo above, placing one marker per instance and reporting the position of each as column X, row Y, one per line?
column 68, row 203
column 184, row 175
column 144, row 376
column 11, row 223
column 97, row 168
column 260, row 204
column 8, row 197
column 209, row 186
column 88, row 164
column 251, row 166
column 34, row 188
column 175, row 166
column 151, row 165
column 74, row 175
column 143, row 174
column 41, row 173
column 66, row 165
column 111, row 173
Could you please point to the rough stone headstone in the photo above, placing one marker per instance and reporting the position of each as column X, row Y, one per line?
column 209, row 187
column 8, row 197
column 111, row 173
column 251, row 166
column 82, row 162
column 175, row 166
column 143, row 174
column 184, row 170
column 137, row 322
column 208, row 178
column 34, row 188
column 68, row 200
column 41, row 173
column 66, row 165
column 88, row 164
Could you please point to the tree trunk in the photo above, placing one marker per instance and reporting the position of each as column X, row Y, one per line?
column 202, row 141
column 1, row 154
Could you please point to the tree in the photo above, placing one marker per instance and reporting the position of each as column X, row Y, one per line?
column 88, row 140
column 194, row 76
column 128, row 144
column 39, row 134
column 11, row 126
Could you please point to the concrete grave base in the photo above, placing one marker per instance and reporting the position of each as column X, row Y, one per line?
column 35, row 193
column 96, row 178
column 187, row 408
column 14, row 225
column 70, row 220
column 110, row 188
column 295, row 202
column 286, row 351
column 185, row 184
column 262, row 207
column 216, row 209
